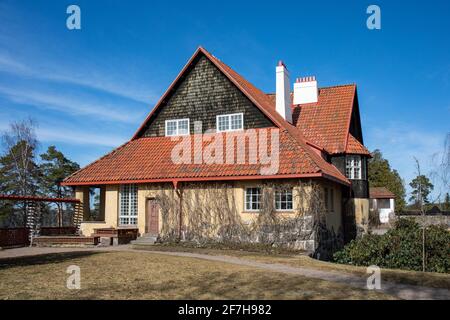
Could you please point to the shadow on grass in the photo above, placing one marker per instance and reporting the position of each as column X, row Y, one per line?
column 42, row 259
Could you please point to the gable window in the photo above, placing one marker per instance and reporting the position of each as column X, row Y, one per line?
column 128, row 204
column 353, row 167
column 252, row 199
column 283, row 199
column 177, row 127
column 230, row 122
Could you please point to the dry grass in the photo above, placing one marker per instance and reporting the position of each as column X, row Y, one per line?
column 429, row 279
column 129, row 275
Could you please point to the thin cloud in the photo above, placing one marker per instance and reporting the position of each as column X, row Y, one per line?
column 78, row 138
column 400, row 143
column 93, row 80
column 69, row 104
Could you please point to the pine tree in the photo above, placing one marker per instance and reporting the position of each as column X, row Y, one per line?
column 54, row 168
column 422, row 188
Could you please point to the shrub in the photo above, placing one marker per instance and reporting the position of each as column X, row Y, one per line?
column 400, row 247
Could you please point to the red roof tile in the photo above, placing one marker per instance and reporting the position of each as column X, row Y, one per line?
column 149, row 159
column 355, row 147
column 380, row 193
column 326, row 123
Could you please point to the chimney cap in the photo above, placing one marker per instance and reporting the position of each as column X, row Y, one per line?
column 281, row 64
column 306, row 79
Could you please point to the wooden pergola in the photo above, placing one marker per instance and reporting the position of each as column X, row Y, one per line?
column 33, row 211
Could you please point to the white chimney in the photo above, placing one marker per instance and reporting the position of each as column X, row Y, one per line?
column 305, row 90
column 283, row 95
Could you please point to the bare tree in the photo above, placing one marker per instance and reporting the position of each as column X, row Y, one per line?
column 440, row 174
column 18, row 167
column 422, row 211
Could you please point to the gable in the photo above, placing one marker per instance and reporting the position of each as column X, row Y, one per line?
column 202, row 93
column 355, row 122
column 326, row 123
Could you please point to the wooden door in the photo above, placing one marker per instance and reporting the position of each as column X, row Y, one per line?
column 152, row 217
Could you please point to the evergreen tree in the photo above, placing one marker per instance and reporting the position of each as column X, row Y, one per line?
column 422, row 188
column 446, row 206
column 54, row 168
column 381, row 175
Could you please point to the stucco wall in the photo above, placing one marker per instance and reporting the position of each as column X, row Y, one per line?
column 111, row 201
column 201, row 193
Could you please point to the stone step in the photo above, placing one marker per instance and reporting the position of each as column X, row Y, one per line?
column 146, row 239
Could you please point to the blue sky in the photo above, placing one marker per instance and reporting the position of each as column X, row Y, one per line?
column 90, row 89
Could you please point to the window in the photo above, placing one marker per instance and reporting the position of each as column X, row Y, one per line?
column 327, row 204
column 353, row 167
column 252, row 199
column 283, row 199
column 128, row 204
column 178, row 127
column 230, row 122
column 95, row 213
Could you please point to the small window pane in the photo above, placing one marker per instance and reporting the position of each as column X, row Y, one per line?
column 283, row 199
column 128, row 205
column 183, row 127
column 252, row 198
column 230, row 122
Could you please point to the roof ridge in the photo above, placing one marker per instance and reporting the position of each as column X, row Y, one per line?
column 320, row 88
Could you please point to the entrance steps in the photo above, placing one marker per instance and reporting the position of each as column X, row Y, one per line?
column 145, row 239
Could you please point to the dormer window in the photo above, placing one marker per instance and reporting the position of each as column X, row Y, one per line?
column 230, row 122
column 353, row 167
column 177, row 127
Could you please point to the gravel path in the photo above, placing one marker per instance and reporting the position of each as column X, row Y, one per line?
column 402, row 291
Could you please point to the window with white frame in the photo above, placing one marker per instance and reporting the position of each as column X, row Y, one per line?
column 353, row 167
column 252, row 199
column 230, row 122
column 283, row 199
column 177, row 127
column 128, row 204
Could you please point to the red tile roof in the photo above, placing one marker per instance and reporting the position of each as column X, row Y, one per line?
column 323, row 127
column 326, row 123
column 149, row 159
column 380, row 193
column 355, row 147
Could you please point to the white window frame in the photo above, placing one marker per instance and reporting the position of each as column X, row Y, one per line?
column 177, row 133
column 249, row 204
column 229, row 116
column 351, row 163
column 279, row 202
column 128, row 205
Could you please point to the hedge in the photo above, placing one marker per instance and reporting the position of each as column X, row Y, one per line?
column 400, row 248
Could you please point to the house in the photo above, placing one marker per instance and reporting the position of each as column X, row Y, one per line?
column 168, row 174
column 382, row 200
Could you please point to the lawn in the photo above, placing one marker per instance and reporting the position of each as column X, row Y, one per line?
column 428, row 279
column 135, row 275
